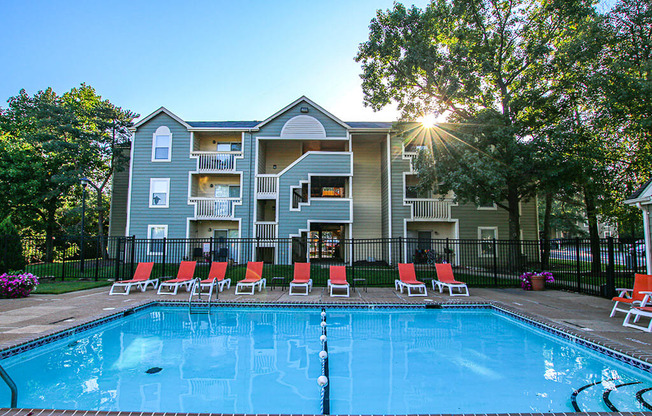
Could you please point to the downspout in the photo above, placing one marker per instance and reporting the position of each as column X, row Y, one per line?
column 252, row 175
column 646, row 233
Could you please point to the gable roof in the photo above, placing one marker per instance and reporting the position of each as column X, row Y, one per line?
column 381, row 125
column 641, row 194
column 297, row 101
column 157, row 112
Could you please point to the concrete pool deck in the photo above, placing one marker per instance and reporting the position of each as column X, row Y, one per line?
column 24, row 320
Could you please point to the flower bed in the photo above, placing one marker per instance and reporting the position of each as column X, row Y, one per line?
column 17, row 285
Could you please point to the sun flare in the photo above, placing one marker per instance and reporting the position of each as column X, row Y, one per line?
column 428, row 121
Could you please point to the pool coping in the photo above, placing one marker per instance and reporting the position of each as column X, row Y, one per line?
column 630, row 356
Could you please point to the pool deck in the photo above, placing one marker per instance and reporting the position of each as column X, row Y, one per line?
column 24, row 320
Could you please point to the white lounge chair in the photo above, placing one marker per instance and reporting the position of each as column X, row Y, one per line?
column 408, row 280
column 183, row 279
column 140, row 280
column 301, row 279
column 637, row 296
column 253, row 279
column 338, row 281
column 445, row 278
column 637, row 312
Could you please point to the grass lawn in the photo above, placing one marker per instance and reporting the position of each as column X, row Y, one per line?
column 50, row 287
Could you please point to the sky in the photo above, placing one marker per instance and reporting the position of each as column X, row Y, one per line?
column 202, row 60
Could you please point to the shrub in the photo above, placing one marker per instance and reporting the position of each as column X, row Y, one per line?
column 17, row 285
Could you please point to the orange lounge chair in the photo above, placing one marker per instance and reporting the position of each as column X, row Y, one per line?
column 638, row 296
column 338, row 280
column 184, row 278
column 216, row 276
column 254, row 278
column 637, row 312
column 445, row 278
column 301, row 279
column 408, row 280
column 140, row 280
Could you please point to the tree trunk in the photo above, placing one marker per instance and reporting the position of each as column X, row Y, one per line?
column 594, row 238
column 100, row 224
column 547, row 214
column 517, row 259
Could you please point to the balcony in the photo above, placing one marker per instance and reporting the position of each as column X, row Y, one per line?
column 266, row 186
column 430, row 209
column 265, row 229
column 214, row 208
column 208, row 162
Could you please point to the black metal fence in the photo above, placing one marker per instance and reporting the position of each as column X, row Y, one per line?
column 371, row 262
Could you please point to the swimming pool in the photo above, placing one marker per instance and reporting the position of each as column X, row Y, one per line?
column 266, row 360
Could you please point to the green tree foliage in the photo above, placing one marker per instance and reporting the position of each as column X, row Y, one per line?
column 11, row 248
column 48, row 143
column 480, row 62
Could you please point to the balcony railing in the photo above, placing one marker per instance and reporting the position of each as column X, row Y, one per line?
column 265, row 229
column 267, row 185
column 214, row 208
column 216, row 161
column 430, row 209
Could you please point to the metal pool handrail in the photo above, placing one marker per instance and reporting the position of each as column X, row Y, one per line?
column 12, row 387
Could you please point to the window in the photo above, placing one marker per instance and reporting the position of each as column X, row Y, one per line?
column 227, row 191
column 487, row 235
column 229, row 147
column 162, row 145
column 156, row 234
column 487, row 205
column 159, row 190
column 413, row 192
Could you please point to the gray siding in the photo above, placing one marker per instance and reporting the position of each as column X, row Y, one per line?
column 399, row 165
column 274, row 127
column 175, row 217
column 119, row 196
column 248, row 169
column 367, row 201
column 384, row 189
column 290, row 222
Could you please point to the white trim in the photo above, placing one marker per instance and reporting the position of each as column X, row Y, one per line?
column 294, row 103
column 337, row 138
column 130, row 188
column 480, row 229
column 149, row 196
column 155, row 113
column 319, row 130
column 162, row 131
column 493, row 207
column 149, row 237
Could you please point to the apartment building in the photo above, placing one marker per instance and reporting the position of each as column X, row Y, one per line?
column 300, row 174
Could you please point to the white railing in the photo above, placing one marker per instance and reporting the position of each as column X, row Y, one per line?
column 430, row 209
column 266, row 229
column 214, row 208
column 216, row 161
column 267, row 185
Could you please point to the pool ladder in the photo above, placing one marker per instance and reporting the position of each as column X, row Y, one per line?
column 12, row 387
column 196, row 294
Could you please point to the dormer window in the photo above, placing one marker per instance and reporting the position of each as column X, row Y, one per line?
column 162, row 145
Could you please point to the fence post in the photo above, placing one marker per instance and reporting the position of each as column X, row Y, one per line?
column 353, row 262
column 133, row 255
column 116, row 256
column 63, row 261
column 494, row 249
column 611, row 279
column 578, row 264
column 400, row 249
column 97, row 258
column 164, row 251
column 447, row 251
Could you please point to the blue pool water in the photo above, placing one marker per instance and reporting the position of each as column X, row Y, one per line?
column 265, row 360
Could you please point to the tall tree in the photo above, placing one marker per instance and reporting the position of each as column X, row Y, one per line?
column 480, row 62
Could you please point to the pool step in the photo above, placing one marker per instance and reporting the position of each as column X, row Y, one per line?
column 613, row 396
